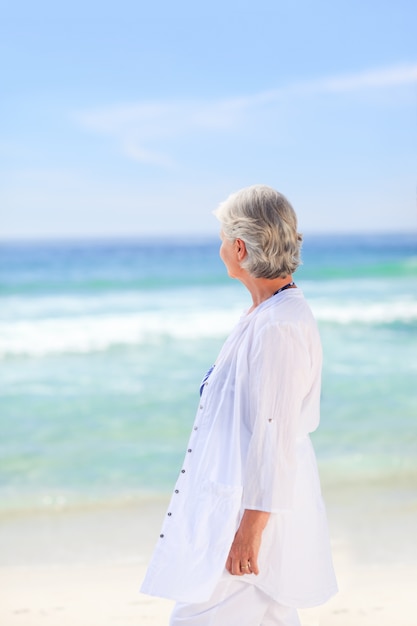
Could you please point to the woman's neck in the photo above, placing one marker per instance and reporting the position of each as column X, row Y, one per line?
column 262, row 289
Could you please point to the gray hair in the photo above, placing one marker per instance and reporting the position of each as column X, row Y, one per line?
column 265, row 220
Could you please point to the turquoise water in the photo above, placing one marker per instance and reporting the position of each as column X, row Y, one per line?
column 103, row 346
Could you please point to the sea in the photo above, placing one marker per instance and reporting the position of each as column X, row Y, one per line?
column 103, row 345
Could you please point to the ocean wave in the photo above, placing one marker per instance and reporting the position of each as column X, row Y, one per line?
column 366, row 313
column 64, row 305
column 98, row 332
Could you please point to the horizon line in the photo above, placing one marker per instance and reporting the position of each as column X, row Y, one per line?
column 184, row 237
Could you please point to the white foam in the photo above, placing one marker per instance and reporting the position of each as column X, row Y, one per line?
column 52, row 306
column 366, row 313
column 97, row 331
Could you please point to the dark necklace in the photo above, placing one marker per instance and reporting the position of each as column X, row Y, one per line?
column 287, row 286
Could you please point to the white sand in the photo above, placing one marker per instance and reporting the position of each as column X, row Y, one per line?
column 84, row 568
column 107, row 595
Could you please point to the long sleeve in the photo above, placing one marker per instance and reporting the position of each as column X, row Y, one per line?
column 279, row 380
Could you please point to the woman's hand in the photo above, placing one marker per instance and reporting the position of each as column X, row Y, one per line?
column 243, row 554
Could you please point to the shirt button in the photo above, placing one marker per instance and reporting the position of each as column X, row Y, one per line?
column 201, row 406
column 170, row 514
column 162, row 536
column 182, row 471
column 195, row 427
column 177, row 491
column 189, row 450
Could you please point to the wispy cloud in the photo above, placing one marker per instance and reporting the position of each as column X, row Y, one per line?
column 383, row 77
column 137, row 126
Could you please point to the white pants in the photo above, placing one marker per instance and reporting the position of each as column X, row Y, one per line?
column 235, row 603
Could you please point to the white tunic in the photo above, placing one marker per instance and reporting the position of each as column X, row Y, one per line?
column 250, row 449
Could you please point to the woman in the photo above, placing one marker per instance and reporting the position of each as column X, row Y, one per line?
column 245, row 539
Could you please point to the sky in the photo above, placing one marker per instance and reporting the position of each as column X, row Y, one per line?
column 137, row 118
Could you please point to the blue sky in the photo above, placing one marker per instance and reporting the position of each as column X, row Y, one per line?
column 138, row 118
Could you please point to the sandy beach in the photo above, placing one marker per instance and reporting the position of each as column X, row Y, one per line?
column 84, row 567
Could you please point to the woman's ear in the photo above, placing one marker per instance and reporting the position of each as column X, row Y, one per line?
column 240, row 249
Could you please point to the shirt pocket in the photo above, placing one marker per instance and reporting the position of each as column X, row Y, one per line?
column 214, row 517
column 191, row 556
